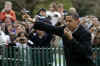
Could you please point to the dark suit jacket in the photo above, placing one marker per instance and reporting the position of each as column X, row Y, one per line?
column 78, row 50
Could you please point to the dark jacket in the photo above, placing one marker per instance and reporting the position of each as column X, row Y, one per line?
column 78, row 50
column 40, row 42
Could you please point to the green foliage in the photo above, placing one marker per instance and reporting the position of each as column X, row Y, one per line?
column 67, row 3
column 87, row 7
column 46, row 3
column 1, row 6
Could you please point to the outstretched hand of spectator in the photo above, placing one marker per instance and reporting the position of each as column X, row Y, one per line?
column 27, row 17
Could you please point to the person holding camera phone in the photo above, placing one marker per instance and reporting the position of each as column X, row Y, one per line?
column 8, row 15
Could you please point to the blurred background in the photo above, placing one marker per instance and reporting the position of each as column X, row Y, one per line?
column 33, row 5
column 83, row 6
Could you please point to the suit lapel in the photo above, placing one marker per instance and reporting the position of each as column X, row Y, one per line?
column 78, row 33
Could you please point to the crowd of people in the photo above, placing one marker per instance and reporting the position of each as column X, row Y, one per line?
column 16, row 31
column 21, row 33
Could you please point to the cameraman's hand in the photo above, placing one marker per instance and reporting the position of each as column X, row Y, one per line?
column 68, row 33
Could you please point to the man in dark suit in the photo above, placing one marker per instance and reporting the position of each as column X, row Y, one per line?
column 76, row 41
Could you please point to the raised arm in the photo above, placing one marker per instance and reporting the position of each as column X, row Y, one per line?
column 46, row 27
column 49, row 28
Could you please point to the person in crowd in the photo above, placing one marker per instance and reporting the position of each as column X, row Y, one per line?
column 20, row 28
column 61, row 9
column 72, row 11
column 41, row 14
column 10, row 29
column 4, row 39
column 41, row 39
column 24, row 49
column 53, row 13
column 42, row 17
column 57, row 17
column 87, row 22
column 93, row 32
column 76, row 41
column 63, row 13
column 61, row 22
column 21, row 38
column 8, row 15
column 97, row 37
column 90, row 23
